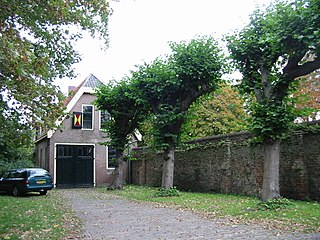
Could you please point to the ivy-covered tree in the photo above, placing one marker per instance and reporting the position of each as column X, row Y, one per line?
column 218, row 112
column 170, row 85
column 125, row 115
column 280, row 44
column 36, row 47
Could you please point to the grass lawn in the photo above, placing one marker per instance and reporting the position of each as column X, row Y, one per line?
column 298, row 216
column 36, row 217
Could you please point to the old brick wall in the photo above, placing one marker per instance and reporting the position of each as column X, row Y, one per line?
column 229, row 164
column 312, row 164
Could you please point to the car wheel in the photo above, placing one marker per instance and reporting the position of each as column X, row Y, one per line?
column 44, row 192
column 15, row 191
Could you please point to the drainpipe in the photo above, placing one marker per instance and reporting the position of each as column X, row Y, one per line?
column 129, row 175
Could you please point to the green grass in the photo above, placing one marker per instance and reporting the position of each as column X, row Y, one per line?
column 47, row 217
column 36, row 217
column 298, row 216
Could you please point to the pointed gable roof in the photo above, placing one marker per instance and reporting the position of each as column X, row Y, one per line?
column 87, row 86
column 92, row 82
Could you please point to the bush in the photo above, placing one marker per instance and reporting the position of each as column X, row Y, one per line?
column 274, row 204
column 19, row 163
column 163, row 192
column 21, row 157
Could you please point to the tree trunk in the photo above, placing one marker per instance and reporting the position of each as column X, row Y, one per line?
column 117, row 172
column 168, row 168
column 270, row 187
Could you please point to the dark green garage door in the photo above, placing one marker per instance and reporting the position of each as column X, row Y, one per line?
column 74, row 165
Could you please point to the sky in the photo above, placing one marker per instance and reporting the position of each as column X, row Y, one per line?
column 139, row 31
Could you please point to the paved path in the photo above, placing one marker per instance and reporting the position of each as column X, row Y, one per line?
column 108, row 217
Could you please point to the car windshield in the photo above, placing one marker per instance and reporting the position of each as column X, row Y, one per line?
column 38, row 172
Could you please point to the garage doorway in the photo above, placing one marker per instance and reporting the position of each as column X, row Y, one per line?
column 74, row 166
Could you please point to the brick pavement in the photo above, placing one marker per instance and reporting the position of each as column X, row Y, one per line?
column 108, row 217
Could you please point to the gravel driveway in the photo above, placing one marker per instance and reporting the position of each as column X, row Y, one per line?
column 110, row 217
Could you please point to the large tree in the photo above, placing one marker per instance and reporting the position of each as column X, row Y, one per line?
column 125, row 115
column 170, row 85
column 218, row 112
column 280, row 44
column 15, row 143
column 36, row 47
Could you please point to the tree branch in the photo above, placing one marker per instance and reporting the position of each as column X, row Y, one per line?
column 281, row 88
column 265, row 83
column 293, row 63
column 304, row 69
column 192, row 96
column 257, row 93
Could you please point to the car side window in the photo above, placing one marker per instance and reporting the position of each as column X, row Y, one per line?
column 19, row 174
column 6, row 175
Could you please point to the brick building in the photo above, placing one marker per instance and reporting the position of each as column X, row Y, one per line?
column 73, row 154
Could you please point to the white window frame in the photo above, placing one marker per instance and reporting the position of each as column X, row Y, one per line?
column 107, row 159
column 92, row 119
column 100, row 111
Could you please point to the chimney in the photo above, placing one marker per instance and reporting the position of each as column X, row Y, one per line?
column 71, row 89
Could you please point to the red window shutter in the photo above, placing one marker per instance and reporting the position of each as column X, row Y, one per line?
column 77, row 120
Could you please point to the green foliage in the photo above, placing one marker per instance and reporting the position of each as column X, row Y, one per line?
column 279, row 45
column 306, row 95
column 164, row 192
column 269, row 120
column 312, row 127
column 218, row 112
column 274, row 204
column 125, row 111
column 172, row 84
column 36, row 47
column 16, row 144
column 169, row 86
column 24, row 160
column 146, row 130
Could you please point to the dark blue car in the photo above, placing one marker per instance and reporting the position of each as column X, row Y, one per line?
column 21, row 181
